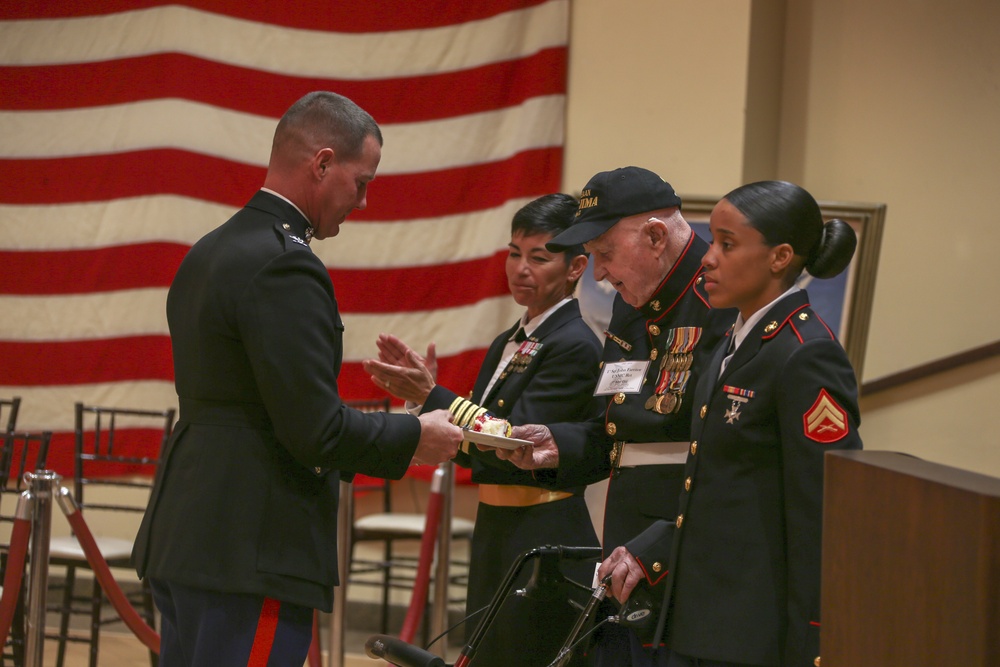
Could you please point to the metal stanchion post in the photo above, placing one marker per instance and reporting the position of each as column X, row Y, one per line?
column 345, row 517
column 439, row 618
column 41, row 485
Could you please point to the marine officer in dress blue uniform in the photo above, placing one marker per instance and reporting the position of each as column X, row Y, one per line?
column 239, row 537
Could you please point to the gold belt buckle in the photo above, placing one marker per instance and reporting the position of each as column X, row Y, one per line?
column 616, row 454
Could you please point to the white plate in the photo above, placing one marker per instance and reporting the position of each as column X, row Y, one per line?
column 490, row 440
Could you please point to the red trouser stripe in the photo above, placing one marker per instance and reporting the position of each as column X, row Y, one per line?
column 263, row 640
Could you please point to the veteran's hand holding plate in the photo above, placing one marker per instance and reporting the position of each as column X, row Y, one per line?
column 490, row 441
column 542, row 452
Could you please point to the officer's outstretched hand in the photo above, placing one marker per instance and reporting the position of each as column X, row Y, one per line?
column 439, row 439
column 625, row 573
column 542, row 454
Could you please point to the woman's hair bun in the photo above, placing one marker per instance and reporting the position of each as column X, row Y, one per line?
column 834, row 251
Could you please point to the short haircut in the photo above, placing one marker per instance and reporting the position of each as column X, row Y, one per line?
column 549, row 214
column 322, row 118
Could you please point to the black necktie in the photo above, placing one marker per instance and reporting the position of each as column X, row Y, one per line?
column 730, row 351
column 520, row 336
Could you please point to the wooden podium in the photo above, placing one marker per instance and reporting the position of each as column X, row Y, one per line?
column 911, row 563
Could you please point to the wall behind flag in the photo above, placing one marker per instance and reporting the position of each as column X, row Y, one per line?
column 128, row 129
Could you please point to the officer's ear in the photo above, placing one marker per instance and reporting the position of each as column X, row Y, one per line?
column 322, row 162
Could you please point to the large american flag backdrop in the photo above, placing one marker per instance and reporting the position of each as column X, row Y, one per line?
column 129, row 128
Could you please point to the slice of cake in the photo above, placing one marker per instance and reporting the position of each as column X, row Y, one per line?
column 492, row 425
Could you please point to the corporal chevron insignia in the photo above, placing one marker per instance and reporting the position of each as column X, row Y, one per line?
column 825, row 421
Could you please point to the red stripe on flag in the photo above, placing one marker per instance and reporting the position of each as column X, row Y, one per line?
column 411, row 289
column 428, row 194
column 74, row 362
column 132, row 174
column 181, row 76
column 134, row 358
column 152, row 265
column 48, row 272
column 263, row 640
column 306, row 14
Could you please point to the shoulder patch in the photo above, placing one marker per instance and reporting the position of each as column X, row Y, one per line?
column 825, row 421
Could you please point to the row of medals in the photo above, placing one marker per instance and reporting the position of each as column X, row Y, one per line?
column 675, row 371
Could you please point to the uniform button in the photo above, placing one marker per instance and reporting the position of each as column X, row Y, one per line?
column 619, row 398
column 500, row 403
column 657, row 566
column 318, row 470
column 703, row 411
column 653, row 354
column 680, row 520
column 694, row 447
column 700, row 280
column 804, row 317
column 687, row 484
column 611, row 428
column 286, row 226
column 654, row 330
column 600, row 364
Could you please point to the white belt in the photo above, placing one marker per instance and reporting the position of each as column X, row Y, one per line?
column 632, row 454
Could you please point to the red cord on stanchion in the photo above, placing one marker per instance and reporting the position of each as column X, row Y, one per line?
column 15, row 568
column 418, row 601
column 128, row 614
column 315, row 655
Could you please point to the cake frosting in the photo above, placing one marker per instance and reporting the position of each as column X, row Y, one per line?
column 492, row 425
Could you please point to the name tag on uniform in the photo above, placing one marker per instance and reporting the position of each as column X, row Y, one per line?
column 621, row 377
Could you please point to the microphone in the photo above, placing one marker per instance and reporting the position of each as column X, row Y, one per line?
column 395, row 650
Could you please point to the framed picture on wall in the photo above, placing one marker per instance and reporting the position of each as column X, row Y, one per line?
column 844, row 302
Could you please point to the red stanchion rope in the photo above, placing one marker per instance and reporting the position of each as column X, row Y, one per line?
column 315, row 655
column 128, row 614
column 16, row 555
column 418, row 601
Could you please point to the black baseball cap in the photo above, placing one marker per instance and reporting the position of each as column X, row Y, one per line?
column 610, row 196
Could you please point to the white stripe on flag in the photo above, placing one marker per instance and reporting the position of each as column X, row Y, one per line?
column 246, row 138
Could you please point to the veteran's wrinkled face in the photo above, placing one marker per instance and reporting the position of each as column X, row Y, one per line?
column 626, row 257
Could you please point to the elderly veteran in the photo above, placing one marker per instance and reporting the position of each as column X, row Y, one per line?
column 630, row 222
